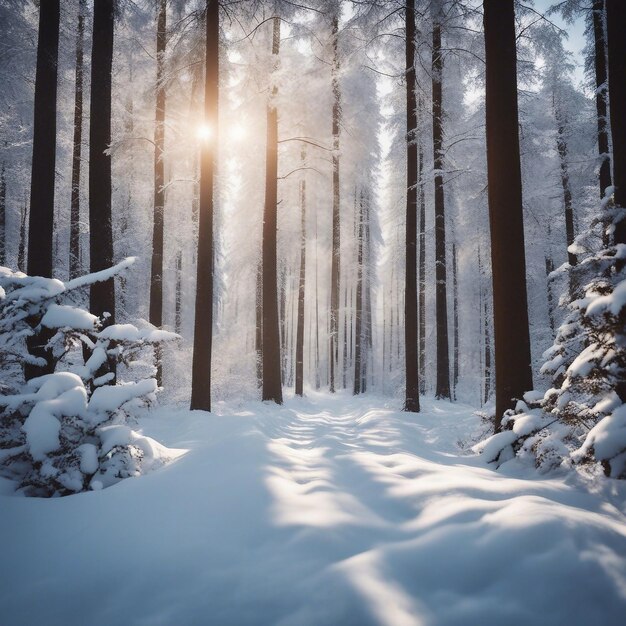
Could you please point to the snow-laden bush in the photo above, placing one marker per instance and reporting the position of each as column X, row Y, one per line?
column 581, row 419
column 66, row 432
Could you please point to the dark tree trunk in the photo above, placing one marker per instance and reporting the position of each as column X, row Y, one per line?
column 358, row 331
column 41, row 222
column 390, row 327
column 102, row 294
column 3, row 209
column 616, row 25
column 178, row 304
column 258, row 336
column 487, row 327
column 282, row 320
column 422, row 268
column 156, row 275
column 441, row 299
column 549, row 270
column 411, row 401
column 366, row 348
column 194, row 109
column 272, row 387
column 508, row 263
column 561, row 144
column 203, row 325
column 75, row 258
column 336, row 234
column 21, row 249
column 344, row 354
column 601, row 90
column 455, row 290
column 301, row 288
column 44, row 142
column 318, row 381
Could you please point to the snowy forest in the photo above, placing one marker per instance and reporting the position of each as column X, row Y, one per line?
column 312, row 312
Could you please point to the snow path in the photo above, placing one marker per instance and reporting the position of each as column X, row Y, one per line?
column 327, row 511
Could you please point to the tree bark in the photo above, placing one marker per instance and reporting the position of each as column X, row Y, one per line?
column 411, row 401
column 318, row 382
column 258, row 336
column 561, row 144
column 272, row 386
column 358, row 331
column 21, row 249
column 487, row 326
column 367, row 347
column 601, row 97
column 512, row 340
column 75, row 258
column 549, row 295
column 102, row 294
column 178, row 304
column 41, row 222
column 422, row 266
column 44, row 142
column 282, row 320
column 203, row 325
column 156, row 274
column 3, row 209
column 301, row 286
column 455, row 290
column 441, row 299
column 336, row 228
column 616, row 27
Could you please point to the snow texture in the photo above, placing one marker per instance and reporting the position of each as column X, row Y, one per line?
column 65, row 316
column 325, row 511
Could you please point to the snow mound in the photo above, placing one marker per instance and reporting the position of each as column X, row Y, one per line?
column 336, row 511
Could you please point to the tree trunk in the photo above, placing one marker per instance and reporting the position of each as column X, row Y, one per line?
column 75, row 258
column 258, row 336
column 441, row 299
column 282, row 320
column 616, row 25
column 411, row 401
column 508, row 263
column 367, row 347
column 561, row 144
column 301, row 287
column 272, row 387
column 358, row 332
column 102, row 294
column 41, row 222
column 21, row 250
column 455, row 293
column 156, row 275
column 203, row 325
column 601, row 91
column 178, row 304
column 391, row 319
column 422, row 267
column 487, row 326
column 336, row 234
column 344, row 354
column 3, row 210
column 550, row 297
column 44, row 142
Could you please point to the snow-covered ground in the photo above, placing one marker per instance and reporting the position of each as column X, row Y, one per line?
column 327, row 511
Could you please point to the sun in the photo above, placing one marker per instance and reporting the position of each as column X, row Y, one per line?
column 205, row 132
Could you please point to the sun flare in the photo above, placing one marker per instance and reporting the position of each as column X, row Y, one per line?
column 205, row 132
